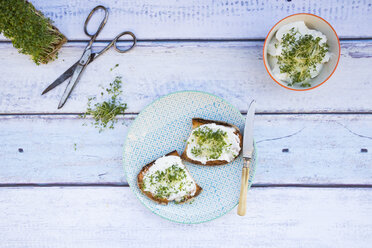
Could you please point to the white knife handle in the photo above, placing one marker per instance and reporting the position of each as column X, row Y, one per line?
column 242, row 207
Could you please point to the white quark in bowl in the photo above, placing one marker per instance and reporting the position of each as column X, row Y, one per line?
column 297, row 54
column 301, row 52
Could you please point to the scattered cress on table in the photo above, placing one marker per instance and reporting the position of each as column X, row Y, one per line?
column 105, row 113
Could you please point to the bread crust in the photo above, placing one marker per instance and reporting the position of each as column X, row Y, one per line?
column 163, row 201
column 196, row 122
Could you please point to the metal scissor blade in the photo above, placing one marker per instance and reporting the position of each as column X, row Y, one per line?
column 68, row 73
column 61, row 78
column 83, row 62
column 70, row 86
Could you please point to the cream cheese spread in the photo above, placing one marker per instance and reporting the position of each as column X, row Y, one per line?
column 307, row 46
column 213, row 142
column 168, row 178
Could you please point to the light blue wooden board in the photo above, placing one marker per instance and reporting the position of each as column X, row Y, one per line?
column 232, row 70
column 323, row 149
column 113, row 217
column 205, row 19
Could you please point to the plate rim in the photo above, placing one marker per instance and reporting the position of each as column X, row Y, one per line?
column 255, row 155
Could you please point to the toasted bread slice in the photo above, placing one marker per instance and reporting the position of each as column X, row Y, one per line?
column 163, row 201
column 196, row 122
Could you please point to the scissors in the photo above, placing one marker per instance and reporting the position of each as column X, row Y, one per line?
column 88, row 56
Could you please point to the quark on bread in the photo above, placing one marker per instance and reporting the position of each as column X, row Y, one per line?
column 212, row 143
column 167, row 179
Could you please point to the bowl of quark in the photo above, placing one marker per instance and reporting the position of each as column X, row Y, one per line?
column 301, row 52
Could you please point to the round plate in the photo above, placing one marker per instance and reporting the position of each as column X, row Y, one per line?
column 164, row 126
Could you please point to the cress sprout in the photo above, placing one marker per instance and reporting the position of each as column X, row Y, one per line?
column 300, row 56
column 30, row 31
column 105, row 113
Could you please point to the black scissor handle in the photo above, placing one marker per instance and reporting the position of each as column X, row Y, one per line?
column 103, row 22
column 116, row 39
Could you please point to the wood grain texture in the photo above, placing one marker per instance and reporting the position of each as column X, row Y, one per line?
column 232, row 70
column 326, row 149
column 113, row 217
column 204, row 19
column 322, row 149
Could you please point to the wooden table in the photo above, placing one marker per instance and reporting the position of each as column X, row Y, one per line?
column 313, row 186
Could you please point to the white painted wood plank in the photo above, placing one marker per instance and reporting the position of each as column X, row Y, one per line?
column 232, row 70
column 204, row 19
column 323, row 149
column 113, row 217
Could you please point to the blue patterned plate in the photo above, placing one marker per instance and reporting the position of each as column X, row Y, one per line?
column 164, row 126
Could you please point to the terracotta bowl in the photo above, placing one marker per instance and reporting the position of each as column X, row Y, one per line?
column 312, row 22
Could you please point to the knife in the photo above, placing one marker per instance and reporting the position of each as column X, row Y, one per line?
column 247, row 157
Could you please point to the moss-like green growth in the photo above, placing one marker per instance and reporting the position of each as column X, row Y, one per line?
column 300, row 55
column 167, row 182
column 105, row 113
column 30, row 32
column 209, row 143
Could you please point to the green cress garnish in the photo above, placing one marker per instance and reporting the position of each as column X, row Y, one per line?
column 167, row 182
column 299, row 56
column 209, row 143
column 104, row 113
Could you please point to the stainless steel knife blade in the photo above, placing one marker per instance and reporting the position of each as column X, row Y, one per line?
column 248, row 131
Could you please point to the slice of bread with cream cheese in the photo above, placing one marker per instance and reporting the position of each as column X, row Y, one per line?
column 212, row 143
column 167, row 179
